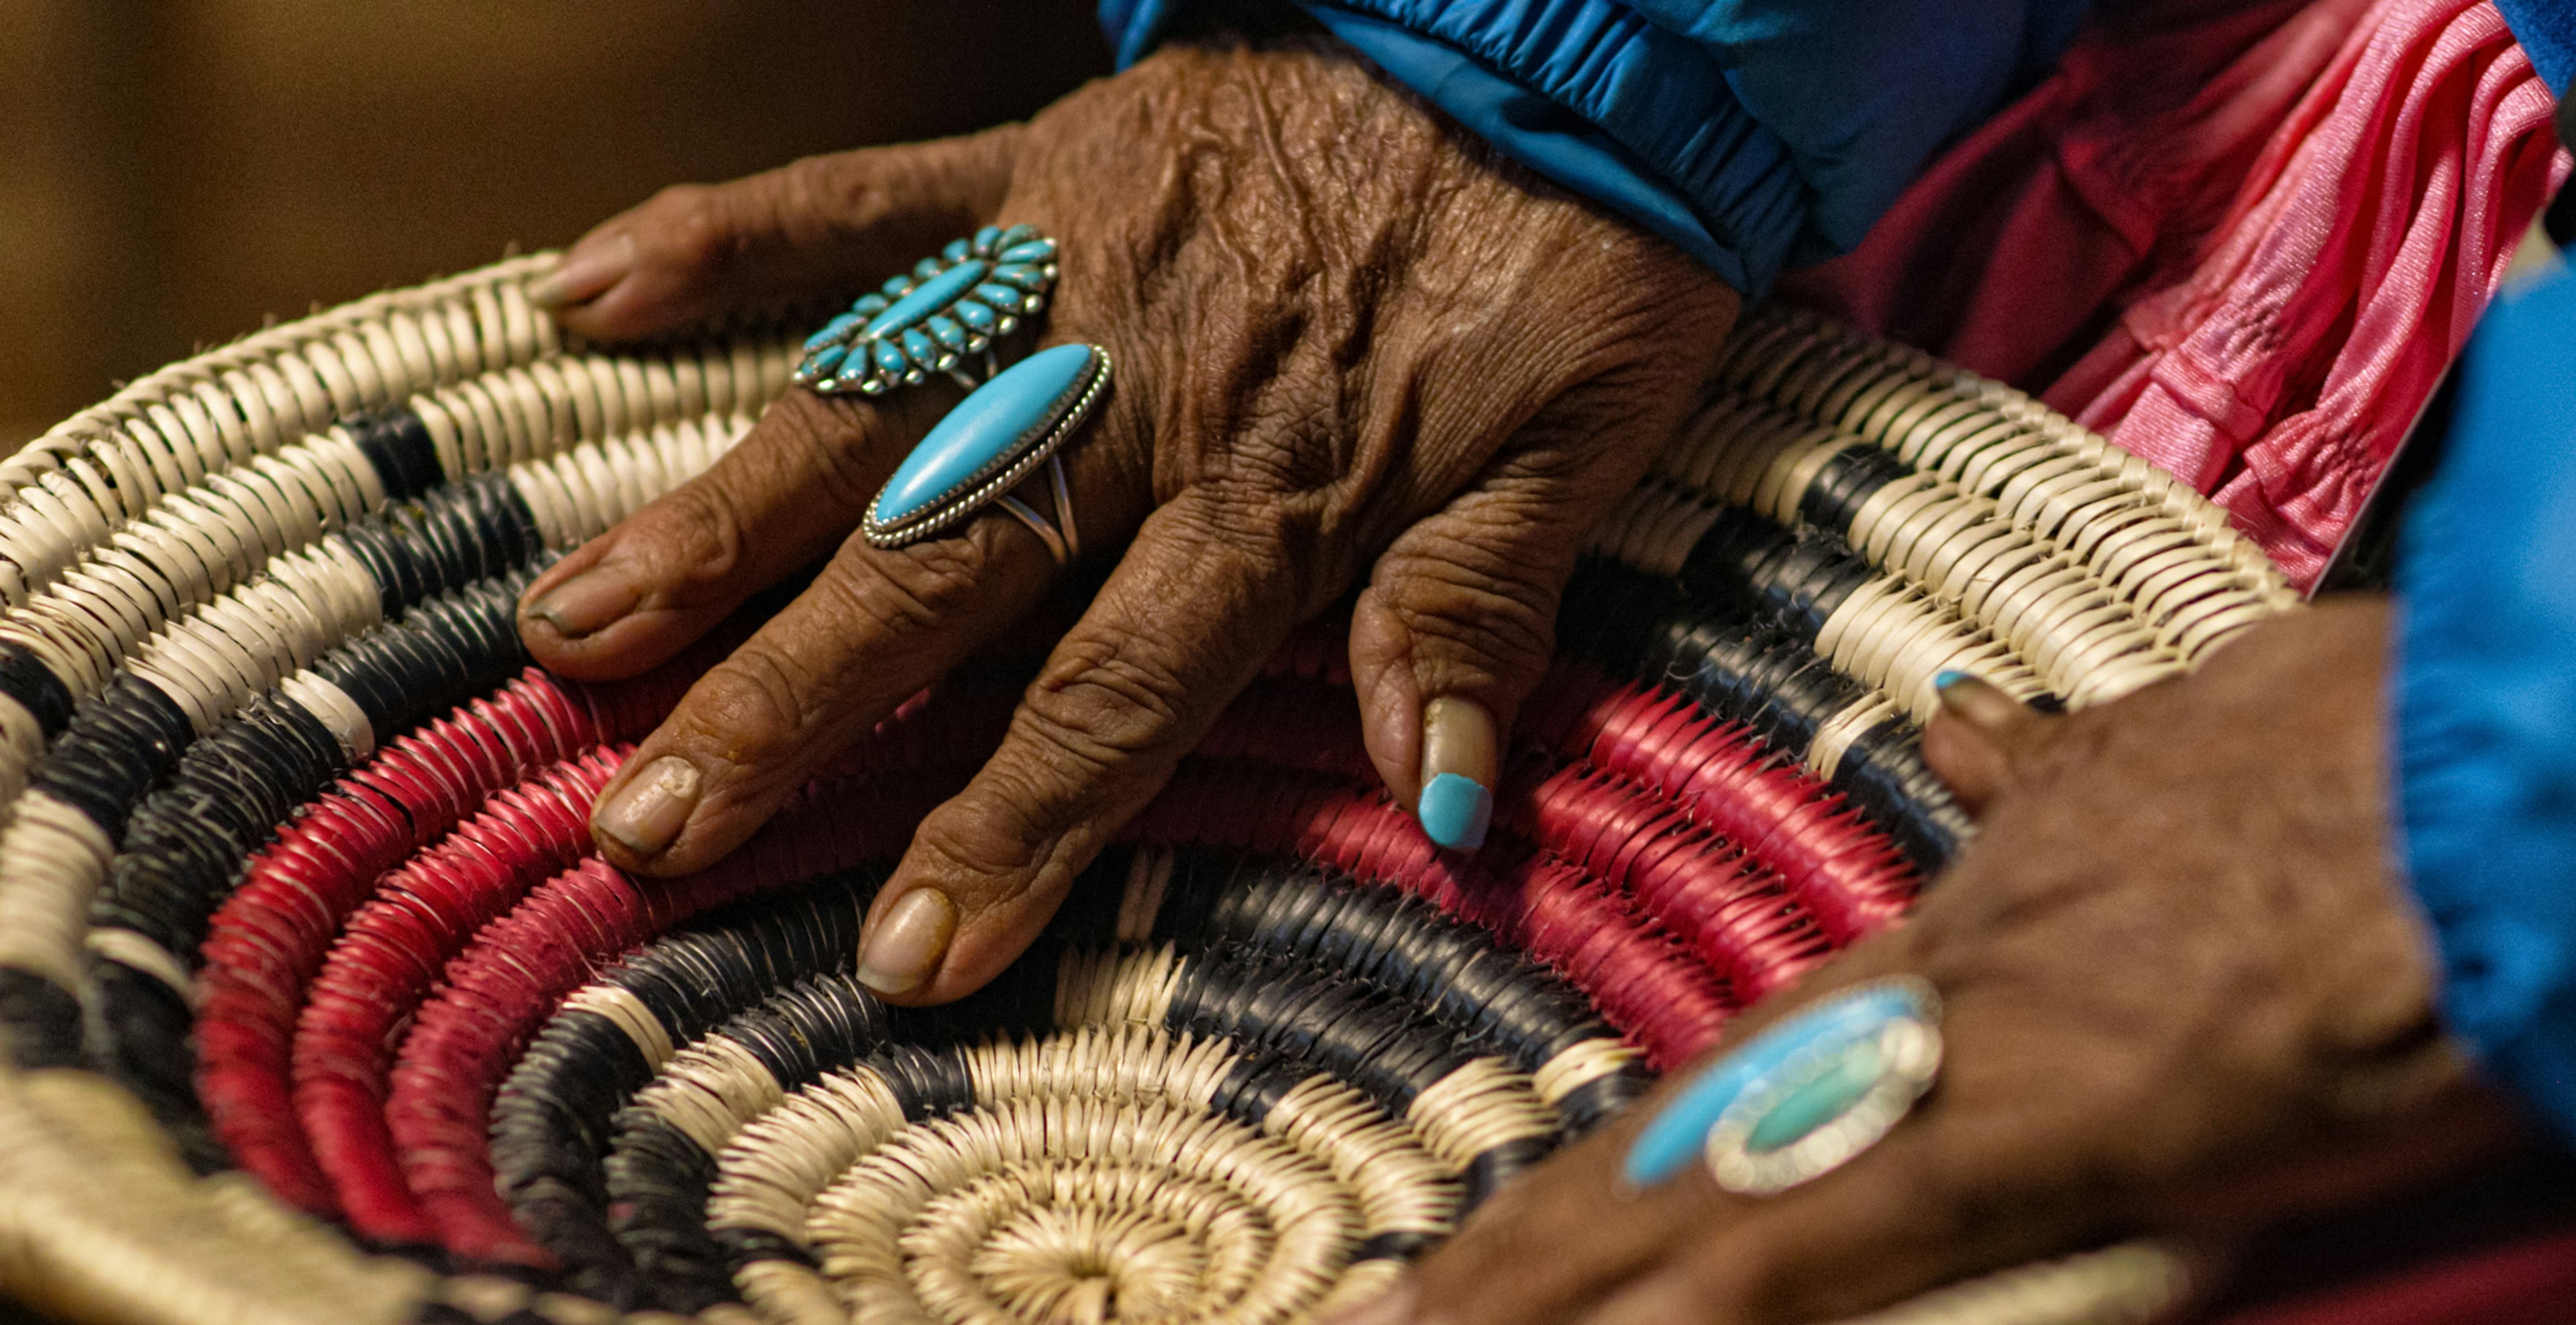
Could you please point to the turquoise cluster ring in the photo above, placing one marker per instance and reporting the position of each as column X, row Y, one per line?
column 941, row 317
column 998, row 436
column 1802, row 1098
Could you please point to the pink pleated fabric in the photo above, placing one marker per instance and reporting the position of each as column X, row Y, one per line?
column 2272, row 350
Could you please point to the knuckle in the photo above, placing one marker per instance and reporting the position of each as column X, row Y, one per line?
column 1101, row 705
column 1243, row 516
column 1468, row 604
column 693, row 533
column 1276, row 546
column 749, row 710
column 905, row 593
column 987, row 832
column 1288, row 449
column 812, row 443
column 818, row 192
column 689, row 225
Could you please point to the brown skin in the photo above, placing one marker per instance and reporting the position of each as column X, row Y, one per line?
column 2183, row 995
column 1350, row 345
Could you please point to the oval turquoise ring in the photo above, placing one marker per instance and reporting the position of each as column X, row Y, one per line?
column 1801, row 1099
column 998, row 435
column 941, row 317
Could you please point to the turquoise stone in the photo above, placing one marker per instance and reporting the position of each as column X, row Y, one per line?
column 1002, row 297
column 930, row 318
column 927, row 298
column 994, row 425
column 832, row 331
column 1674, row 1136
column 1820, row 1099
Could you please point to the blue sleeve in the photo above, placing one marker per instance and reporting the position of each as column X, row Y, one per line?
column 2547, row 31
column 2485, row 697
column 1751, row 133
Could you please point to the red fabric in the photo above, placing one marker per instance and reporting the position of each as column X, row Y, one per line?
column 2103, row 183
column 2243, row 244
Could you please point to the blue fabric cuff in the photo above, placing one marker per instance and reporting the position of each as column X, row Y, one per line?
column 1863, row 92
column 1133, row 26
column 1655, row 99
column 2485, row 698
column 1544, row 136
column 1752, row 133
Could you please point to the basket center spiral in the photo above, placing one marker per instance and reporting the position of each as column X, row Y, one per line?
column 1182, row 1217
column 1080, row 1263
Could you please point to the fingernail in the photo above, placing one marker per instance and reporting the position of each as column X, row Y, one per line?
column 585, row 273
column 1966, row 695
column 1392, row 1307
column 1458, row 771
column 1961, row 692
column 648, row 812
column 587, row 603
column 909, row 943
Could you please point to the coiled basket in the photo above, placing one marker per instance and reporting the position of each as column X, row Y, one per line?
column 318, row 1007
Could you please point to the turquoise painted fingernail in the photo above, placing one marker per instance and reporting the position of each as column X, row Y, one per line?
column 1461, row 756
column 1948, row 679
column 1455, row 811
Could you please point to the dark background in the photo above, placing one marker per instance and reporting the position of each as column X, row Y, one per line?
column 173, row 172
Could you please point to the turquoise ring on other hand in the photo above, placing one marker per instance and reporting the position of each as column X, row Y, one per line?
column 1000, row 434
column 1802, row 1098
column 942, row 317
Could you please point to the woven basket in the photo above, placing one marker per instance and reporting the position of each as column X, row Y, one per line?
column 319, row 1008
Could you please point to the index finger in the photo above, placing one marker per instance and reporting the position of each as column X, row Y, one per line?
column 783, row 497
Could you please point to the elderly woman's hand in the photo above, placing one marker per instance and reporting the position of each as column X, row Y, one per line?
column 1349, row 344
column 2182, row 995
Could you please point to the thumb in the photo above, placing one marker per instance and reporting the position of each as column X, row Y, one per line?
column 1979, row 737
column 696, row 251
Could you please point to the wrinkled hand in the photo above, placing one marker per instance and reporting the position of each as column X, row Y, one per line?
column 1348, row 343
column 2182, row 995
